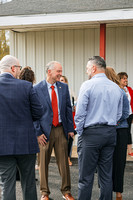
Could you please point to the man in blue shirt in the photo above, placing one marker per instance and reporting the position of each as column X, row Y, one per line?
column 99, row 107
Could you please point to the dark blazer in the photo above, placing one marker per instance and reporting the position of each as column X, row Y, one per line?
column 43, row 126
column 19, row 106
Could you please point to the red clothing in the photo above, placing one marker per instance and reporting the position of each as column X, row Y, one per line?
column 73, row 119
column 131, row 95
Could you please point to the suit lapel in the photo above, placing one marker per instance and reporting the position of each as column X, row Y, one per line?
column 59, row 88
column 45, row 93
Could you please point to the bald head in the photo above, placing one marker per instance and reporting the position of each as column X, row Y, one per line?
column 7, row 62
column 11, row 65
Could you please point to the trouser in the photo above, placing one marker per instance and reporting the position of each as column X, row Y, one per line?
column 119, row 159
column 95, row 149
column 129, row 120
column 26, row 166
column 70, row 143
column 59, row 142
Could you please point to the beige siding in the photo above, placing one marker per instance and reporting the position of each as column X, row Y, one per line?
column 68, row 56
column 40, row 56
column 31, row 49
column 130, row 55
column 73, row 48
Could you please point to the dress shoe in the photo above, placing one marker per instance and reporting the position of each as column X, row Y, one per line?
column 68, row 197
column 44, row 197
column 119, row 198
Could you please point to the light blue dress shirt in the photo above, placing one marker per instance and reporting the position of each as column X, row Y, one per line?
column 99, row 102
column 50, row 90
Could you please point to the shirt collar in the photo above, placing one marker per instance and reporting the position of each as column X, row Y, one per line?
column 49, row 84
column 99, row 75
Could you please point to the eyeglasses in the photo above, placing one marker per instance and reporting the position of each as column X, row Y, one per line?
column 18, row 66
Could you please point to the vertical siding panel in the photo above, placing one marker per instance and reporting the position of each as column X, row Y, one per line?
column 31, row 49
column 21, row 49
column 89, row 48
column 12, row 43
column 130, row 55
column 97, row 41
column 39, row 52
column 15, row 44
column 121, row 49
column 111, row 47
column 78, row 59
column 49, row 46
column 58, row 49
column 68, row 70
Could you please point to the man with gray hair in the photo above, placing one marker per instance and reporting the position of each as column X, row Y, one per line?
column 19, row 107
column 54, row 128
column 98, row 110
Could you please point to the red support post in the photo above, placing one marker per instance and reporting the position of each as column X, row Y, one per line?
column 103, row 40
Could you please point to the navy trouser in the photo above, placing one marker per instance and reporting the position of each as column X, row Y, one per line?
column 95, row 150
column 119, row 159
column 26, row 166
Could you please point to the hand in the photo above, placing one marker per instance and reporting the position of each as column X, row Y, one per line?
column 71, row 134
column 42, row 139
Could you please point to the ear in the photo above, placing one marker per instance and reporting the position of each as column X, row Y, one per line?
column 94, row 69
column 13, row 68
column 49, row 71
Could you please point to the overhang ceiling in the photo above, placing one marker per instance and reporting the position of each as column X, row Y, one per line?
column 25, row 23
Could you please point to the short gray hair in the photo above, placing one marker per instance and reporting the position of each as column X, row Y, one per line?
column 51, row 65
column 8, row 61
column 98, row 61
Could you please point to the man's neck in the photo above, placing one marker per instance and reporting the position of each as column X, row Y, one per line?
column 7, row 72
column 50, row 81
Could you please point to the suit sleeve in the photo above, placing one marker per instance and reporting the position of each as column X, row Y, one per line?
column 70, row 125
column 36, row 107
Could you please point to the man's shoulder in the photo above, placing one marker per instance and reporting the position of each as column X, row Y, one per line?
column 23, row 82
column 40, row 84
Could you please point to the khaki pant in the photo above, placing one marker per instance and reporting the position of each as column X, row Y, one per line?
column 59, row 142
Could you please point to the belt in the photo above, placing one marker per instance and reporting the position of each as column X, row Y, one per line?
column 99, row 125
column 58, row 125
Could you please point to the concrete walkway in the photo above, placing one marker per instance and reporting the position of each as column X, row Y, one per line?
column 55, row 181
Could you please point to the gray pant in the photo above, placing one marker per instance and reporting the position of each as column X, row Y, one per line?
column 26, row 166
column 95, row 150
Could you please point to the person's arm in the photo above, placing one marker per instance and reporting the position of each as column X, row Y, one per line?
column 81, row 109
column 70, row 125
column 37, row 109
column 125, row 107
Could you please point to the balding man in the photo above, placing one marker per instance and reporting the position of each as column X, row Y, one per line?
column 54, row 128
column 19, row 106
column 98, row 109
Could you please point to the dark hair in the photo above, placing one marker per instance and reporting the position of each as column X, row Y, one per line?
column 27, row 74
column 98, row 61
column 122, row 74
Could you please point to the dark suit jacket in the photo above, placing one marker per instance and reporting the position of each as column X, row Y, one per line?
column 19, row 106
column 43, row 126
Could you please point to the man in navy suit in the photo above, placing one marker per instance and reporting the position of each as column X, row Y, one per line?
column 54, row 136
column 19, row 106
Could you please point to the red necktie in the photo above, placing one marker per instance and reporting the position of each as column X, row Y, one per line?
column 54, row 107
